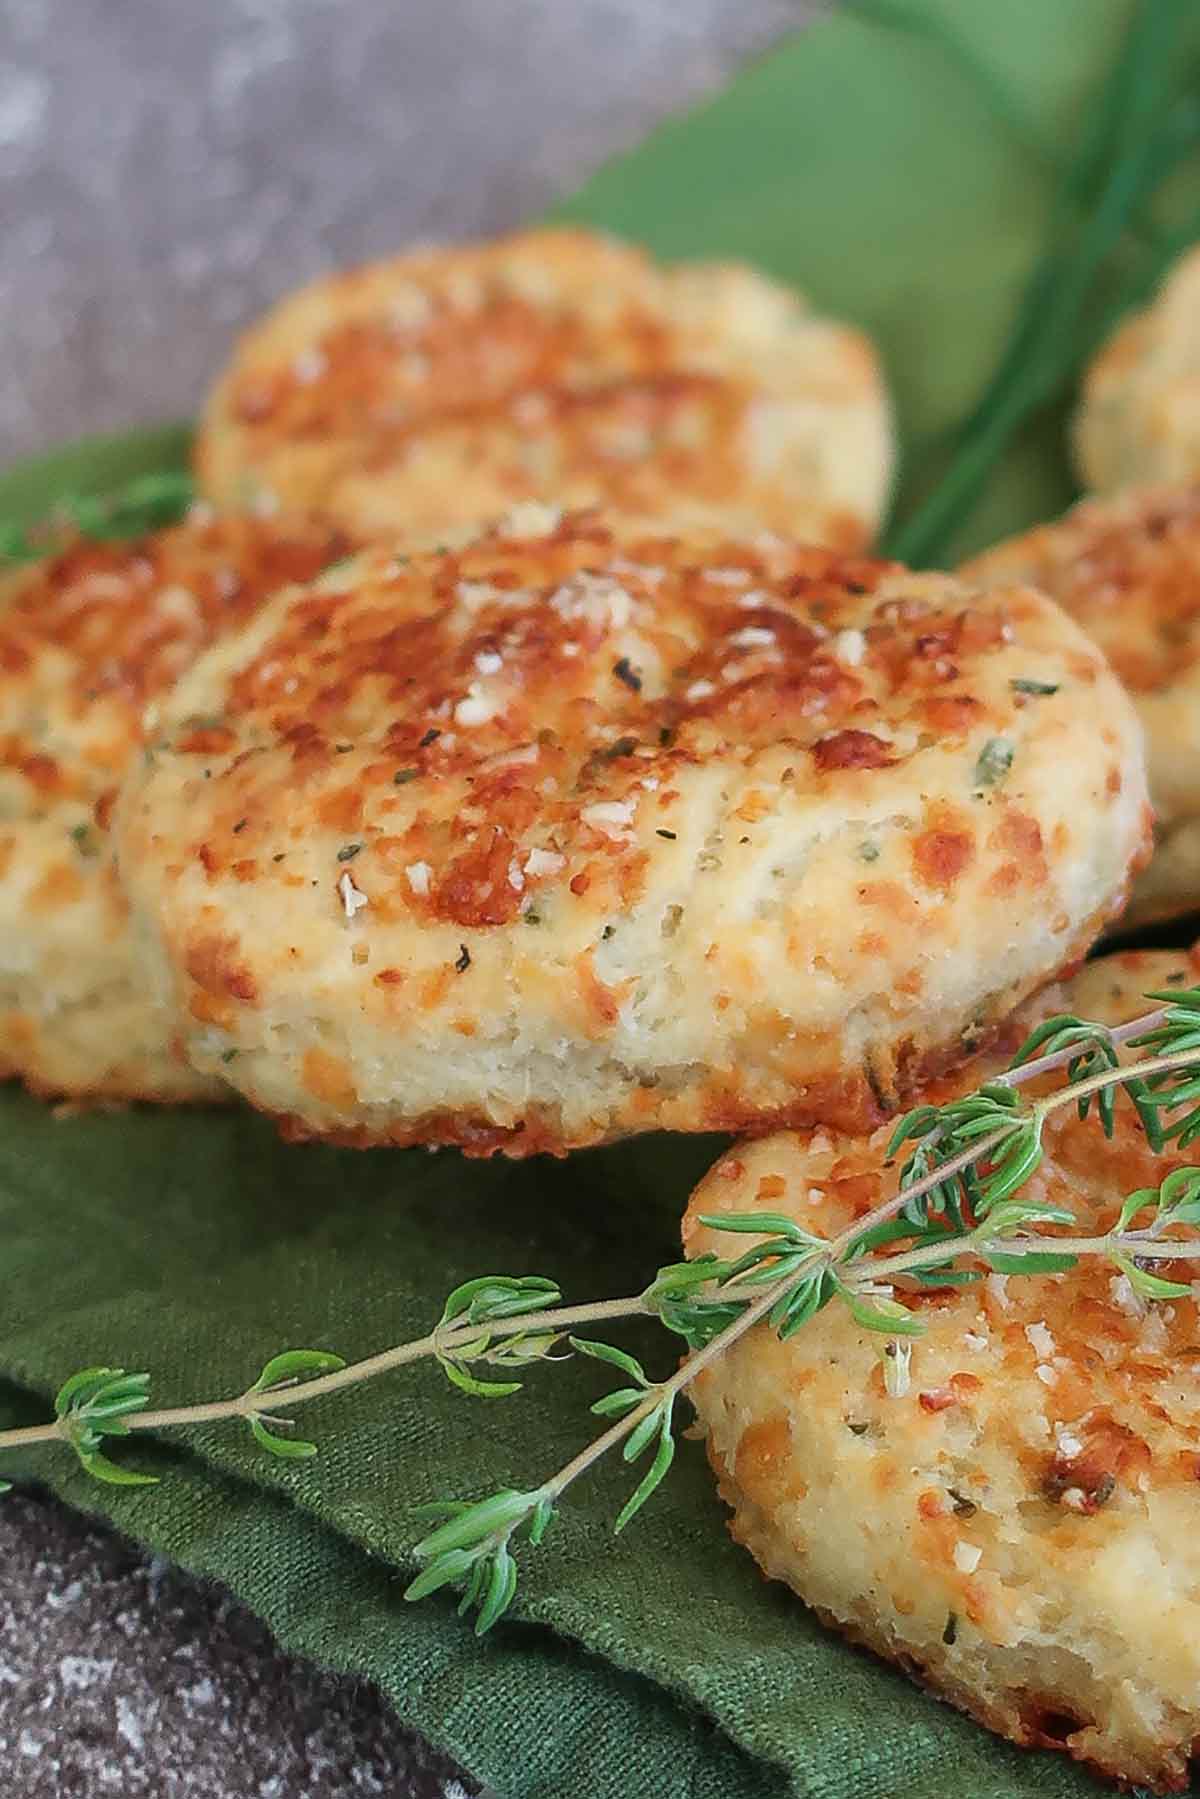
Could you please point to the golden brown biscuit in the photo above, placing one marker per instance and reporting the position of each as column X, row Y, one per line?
column 1014, row 1522
column 88, row 638
column 1127, row 568
column 560, row 837
column 422, row 395
column 1139, row 414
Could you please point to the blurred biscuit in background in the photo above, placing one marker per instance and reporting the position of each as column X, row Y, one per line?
column 423, row 395
column 1127, row 568
column 88, row 639
column 1139, row 414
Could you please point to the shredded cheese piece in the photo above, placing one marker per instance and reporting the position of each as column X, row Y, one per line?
column 352, row 900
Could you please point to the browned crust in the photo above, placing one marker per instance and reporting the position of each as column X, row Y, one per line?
column 110, row 1092
column 1124, row 567
column 401, row 706
column 443, row 386
column 1024, row 1727
column 854, row 1102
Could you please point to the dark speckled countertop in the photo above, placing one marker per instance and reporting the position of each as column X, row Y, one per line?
column 166, row 169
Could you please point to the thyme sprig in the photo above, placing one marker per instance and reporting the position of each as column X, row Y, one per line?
column 486, row 1302
column 98, row 1403
column 958, row 1212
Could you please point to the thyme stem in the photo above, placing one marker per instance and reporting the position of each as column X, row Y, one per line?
column 932, row 1255
column 1058, row 1058
column 1131, row 1243
column 31, row 1433
column 1013, row 1077
column 560, row 1318
column 687, row 1371
column 1114, row 1077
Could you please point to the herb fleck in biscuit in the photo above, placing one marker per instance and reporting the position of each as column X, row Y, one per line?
column 1139, row 416
column 424, row 394
column 1017, row 1526
column 88, row 638
column 558, row 837
column 1127, row 568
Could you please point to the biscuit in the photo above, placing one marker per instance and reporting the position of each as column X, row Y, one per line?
column 1127, row 568
column 1011, row 1523
column 88, row 638
column 1139, row 413
column 562, row 836
column 423, row 395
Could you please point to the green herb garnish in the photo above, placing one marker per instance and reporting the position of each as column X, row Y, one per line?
column 995, row 760
column 149, row 503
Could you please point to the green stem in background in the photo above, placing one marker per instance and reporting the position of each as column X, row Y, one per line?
column 1073, row 179
column 1049, row 340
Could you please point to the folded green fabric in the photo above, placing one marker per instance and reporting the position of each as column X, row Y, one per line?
column 896, row 162
column 196, row 1245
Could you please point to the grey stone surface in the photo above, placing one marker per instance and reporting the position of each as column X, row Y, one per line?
column 166, row 168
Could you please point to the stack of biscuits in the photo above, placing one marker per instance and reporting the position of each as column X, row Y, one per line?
column 519, row 748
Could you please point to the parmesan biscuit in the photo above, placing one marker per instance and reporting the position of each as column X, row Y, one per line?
column 554, row 838
column 1011, row 1516
column 427, row 393
column 1127, row 568
column 87, row 639
column 1139, row 415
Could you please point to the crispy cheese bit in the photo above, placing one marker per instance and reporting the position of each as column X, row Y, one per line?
column 610, row 816
column 897, row 1363
column 543, row 862
column 352, row 899
column 531, row 519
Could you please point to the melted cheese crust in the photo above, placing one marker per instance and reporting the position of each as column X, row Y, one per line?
column 568, row 834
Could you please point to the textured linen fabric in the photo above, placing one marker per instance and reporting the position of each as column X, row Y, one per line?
column 207, row 1245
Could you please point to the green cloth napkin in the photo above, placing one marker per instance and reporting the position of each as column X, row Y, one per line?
column 899, row 172
column 197, row 1245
